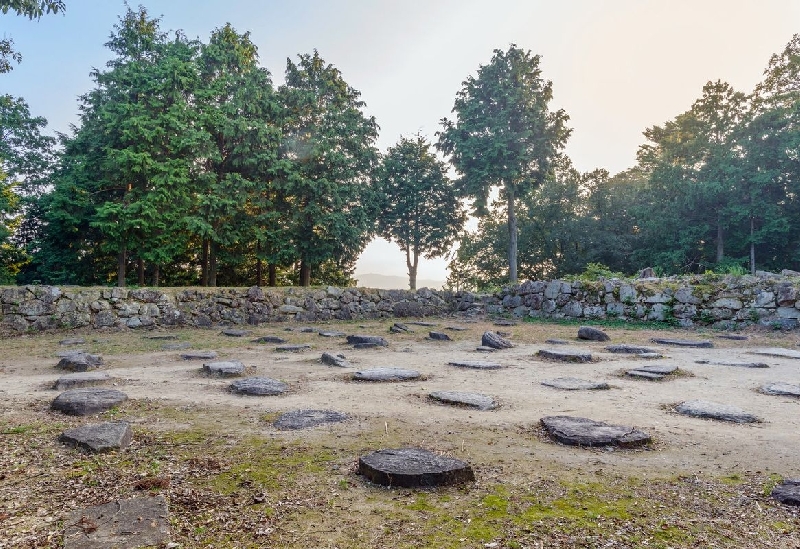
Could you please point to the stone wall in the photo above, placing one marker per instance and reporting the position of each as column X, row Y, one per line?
column 713, row 300
column 719, row 301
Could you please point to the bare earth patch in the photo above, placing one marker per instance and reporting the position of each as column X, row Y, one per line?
column 231, row 479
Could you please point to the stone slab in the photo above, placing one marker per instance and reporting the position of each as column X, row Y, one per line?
column 367, row 346
column 456, row 328
column 292, row 348
column 787, row 492
column 700, row 344
column 650, row 376
column 330, row 359
column 575, row 384
column 176, row 346
column 269, row 339
column 778, row 388
column 304, row 419
column 259, row 386
column 386, row 374
column 650, row 356
column 591, row 333
column 235, row 332
column 484, row 349
column 164, row 337
column 579, row 431
column 778, row 352
column 121, row 524
column 475, row 364
column 423, row 324
column 369, row 339
column 439, row 336
column 199, row 355
column 331, row 334
column 629, row 349
column 87, row 401
column 556, row 341
column 495, row 341
column 224, row 368
column 80, row 362
column 413, row 467
column 565, row 355
column 82, row 379
column 72, row 341
column 736, row 364
column 662, row 369
column 713, row 410
column 99, row 437
column 459, row 398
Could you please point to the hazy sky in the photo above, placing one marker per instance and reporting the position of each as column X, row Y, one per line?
column 617, row 66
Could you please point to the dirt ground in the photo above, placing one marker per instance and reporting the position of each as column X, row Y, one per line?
column 169, row 395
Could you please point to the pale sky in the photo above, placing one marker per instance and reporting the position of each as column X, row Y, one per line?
column 617, row 66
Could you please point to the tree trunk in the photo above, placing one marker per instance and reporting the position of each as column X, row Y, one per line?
column 212, row 265
column 156, row 276
column 720, row 243
column 752, row 249
column 204, row 264
column 272, row 274
column 140, row 271
column 305, row 273
column 121, row 260
column 412, row 268
column 512, row 237
column 259, row 272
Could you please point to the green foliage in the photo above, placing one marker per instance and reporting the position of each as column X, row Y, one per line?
column 504, row 135
column 32, row 9
column 419, row 209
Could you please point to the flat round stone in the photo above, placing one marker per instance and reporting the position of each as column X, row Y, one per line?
column 575, row 384
column 701, row 344
column 456, row 328
column 629, row 349
column 366, row 345
column 369, row 339
column 736, row 364
column 780, row 389
column 72, row 341
column 84, row 402
column 176, row 346
column 485, row 349
column 411, row 467
column 386, row 374
column 165, row 337
column 82, row 379
column 650, row 376
column 733, row 337
column 303, row 419
column 787, row 492
column 259, row 386
column 556, row 341
column 565, row 356
column 292, row 348
column 650, row 356
column 579, row 431
column 99, row 437
column 332, row 334
column 235, row 332
column 224, row 368
column 199, row 355
column 778, row 352
column 475, row 364
column 424, row 324
column 269, row 339
column 663, row 369
column 713, row 410
column 439, row 336
column 471, row 400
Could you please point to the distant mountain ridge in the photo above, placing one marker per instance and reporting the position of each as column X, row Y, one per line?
column 390, row 282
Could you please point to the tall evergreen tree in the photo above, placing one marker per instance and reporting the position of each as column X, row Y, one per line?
column 419, row 207
column 504, row 134
column 327, row 159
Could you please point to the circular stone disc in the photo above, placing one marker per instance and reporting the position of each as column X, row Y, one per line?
column 259, row 386
column 580, row 431
column 409, row 467
column 575, row 384
column 386, row 374
column 787, row 492
column 303, row 419
column 565, row 355
column 713, row 410
column 700, row 344
column 84, row 402
column 475, row 364
column 472, row 400
column 81, row 379
column 780, row 389
column 225, row 368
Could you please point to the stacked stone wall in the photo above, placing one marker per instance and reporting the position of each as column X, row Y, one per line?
column 722, row 302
